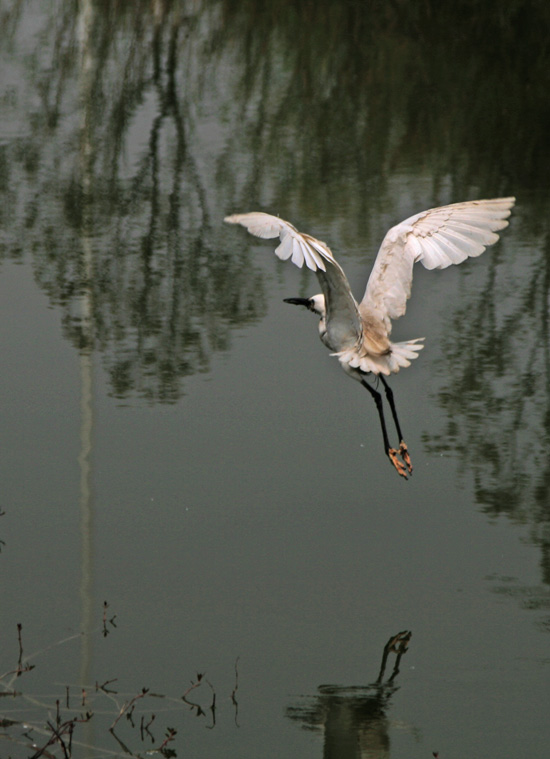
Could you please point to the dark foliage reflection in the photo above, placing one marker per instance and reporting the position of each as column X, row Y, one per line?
column 497, row 388
column 532, row 598
column 130, row 129
column 146, row 122
column 106, row 190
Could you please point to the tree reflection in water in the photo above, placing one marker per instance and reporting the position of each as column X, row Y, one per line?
column 147, row 122
column 194, row 108
column 496, row 392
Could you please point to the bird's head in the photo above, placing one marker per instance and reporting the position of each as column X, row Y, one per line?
column 316, row 304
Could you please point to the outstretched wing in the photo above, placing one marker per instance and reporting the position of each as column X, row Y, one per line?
column 437, row 238
column 342, row 317
column 299, row 247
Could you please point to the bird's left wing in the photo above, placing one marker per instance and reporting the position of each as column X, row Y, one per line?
column 298, row 247
column 342, row 317
column 437, row 238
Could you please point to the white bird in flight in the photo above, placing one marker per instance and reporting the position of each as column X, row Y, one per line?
column 359, row 333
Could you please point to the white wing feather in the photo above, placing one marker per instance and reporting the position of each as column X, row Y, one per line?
column 343, row 323
column 437, row 238
column 299, row 247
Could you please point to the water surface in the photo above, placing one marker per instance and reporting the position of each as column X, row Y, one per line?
column 179, row 444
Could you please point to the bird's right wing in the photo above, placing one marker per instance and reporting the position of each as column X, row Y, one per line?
column 342, row 315
column 437, row 238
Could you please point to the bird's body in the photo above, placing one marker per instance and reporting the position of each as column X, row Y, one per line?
column 358, row 333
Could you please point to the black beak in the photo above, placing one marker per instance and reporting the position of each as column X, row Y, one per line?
column 298, row 301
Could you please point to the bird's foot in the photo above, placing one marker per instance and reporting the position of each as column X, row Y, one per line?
column 404, row 453
column 400, row 467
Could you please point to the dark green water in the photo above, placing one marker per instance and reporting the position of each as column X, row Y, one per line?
column 176, row 440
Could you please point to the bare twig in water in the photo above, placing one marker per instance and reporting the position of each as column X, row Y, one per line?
column 170, row 735
column 144, row 728
column 58, row 733
column 199, row 711
column 193, row 685
column 20, row 660
column 111, row 621
column 129, row 715
column 213, row 707
column 20, row 666
column 234, row 691
column 104, row 685
column 125, row 707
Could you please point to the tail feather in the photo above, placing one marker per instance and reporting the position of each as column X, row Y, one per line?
column 399, row 356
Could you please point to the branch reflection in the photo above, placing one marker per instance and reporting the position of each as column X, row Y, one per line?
column 495, row 388
column 195, row 109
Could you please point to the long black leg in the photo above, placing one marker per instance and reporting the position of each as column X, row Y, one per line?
column 391, row 453
column 403, row 450
column 378, row 400
column 389, row 396
column 398, row 645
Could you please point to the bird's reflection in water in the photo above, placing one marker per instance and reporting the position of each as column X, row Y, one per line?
column 354, row 718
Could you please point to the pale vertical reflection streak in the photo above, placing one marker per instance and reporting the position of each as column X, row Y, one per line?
column 86, row 71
